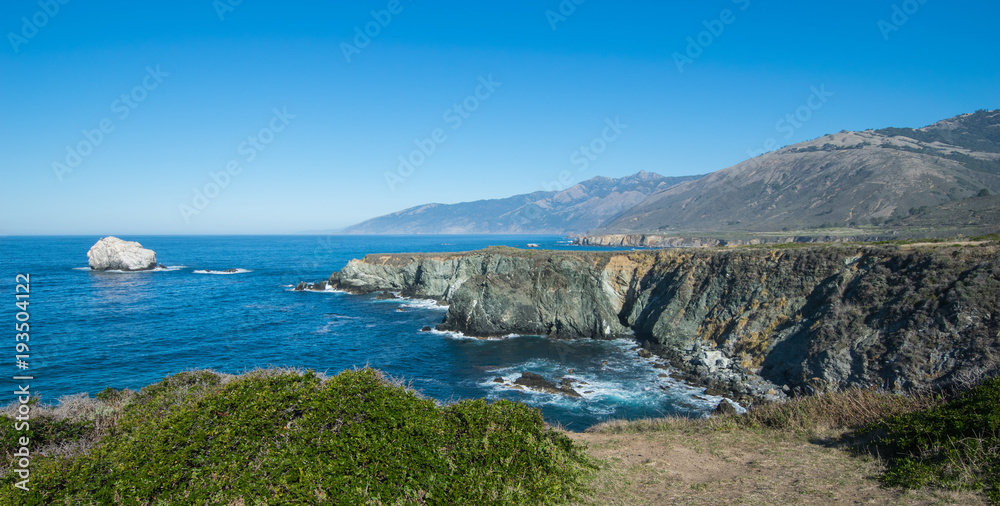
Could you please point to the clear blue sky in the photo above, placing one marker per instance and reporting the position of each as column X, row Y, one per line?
column 229, row 69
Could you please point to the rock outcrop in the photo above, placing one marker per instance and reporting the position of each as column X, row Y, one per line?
column 112, row 253
column 312, row 287
column 753, row 322
column 538, row 383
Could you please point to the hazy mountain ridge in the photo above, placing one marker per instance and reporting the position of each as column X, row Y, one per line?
column 843, row 179
column 872, row 178
column 582, row 207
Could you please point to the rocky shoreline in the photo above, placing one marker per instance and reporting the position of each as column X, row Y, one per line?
column 752, row 323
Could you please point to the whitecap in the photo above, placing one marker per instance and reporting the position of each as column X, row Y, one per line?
column 166, row 268
column 328, row 289
column 423, row 304
column 451, row 334
column 454, row 334
column 208, row 271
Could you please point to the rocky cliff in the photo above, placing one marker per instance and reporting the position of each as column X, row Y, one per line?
column 754, row 321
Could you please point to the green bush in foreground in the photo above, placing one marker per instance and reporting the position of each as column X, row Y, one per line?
column 956, row 445
column 286, row 438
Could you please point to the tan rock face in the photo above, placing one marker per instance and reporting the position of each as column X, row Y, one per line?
column 112, row 253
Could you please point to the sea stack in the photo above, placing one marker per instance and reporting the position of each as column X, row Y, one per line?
column 112, row 253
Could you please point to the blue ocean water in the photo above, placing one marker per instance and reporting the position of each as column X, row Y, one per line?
column 91, row 330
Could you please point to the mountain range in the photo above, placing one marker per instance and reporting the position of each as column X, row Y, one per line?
column 939, row 175
column 577, row 209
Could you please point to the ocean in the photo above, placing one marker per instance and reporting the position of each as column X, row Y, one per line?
column 92, row 330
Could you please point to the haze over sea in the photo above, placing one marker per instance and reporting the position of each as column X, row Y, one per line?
column 92, row 330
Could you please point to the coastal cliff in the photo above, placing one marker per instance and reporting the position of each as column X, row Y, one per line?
column 755, row 322
column 685, row 241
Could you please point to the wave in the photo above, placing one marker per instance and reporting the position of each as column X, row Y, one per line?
column 454, row 334
column 423, row 304
column 166, row 268
column 628, row 383
column 328, row 289
column 232, row 271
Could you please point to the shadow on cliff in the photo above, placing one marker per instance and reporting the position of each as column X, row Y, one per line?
column 786, row 363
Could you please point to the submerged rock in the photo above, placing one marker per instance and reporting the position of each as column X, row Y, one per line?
column 313, row 287
column 112, row 253
column 538, row 383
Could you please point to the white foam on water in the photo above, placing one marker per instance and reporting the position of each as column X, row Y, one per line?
column 423, row 304
column 451, row 334
column 328, row 289
column 624, row 381
column 167, row 268
column 209, row 271
column 331, row 325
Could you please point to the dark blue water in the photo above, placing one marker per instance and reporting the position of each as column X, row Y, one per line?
column 91, row 330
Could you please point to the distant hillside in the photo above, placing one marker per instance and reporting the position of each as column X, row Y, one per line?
column 980, row 211
column 582, row 207
column 844, row 179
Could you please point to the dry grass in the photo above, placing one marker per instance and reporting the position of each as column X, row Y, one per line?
column 835, row 411
column 687, row 464
column 101, row 416
column 795, row 452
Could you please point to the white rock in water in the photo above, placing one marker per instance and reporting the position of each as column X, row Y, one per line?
column 112, row 253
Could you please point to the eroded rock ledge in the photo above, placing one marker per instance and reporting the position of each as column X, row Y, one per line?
column 755, row 322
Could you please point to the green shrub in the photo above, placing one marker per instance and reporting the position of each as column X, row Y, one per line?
column 288, row 438
column 955, row 446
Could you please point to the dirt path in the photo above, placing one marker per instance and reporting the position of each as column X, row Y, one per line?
column 740, row 467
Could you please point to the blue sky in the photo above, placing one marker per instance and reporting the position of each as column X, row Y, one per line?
column 312, row 119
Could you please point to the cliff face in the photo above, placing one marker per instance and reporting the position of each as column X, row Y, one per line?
column 756, row 322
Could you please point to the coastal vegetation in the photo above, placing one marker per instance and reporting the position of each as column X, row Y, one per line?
column 291, row 437
column 837, row 447
column 288, row 437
